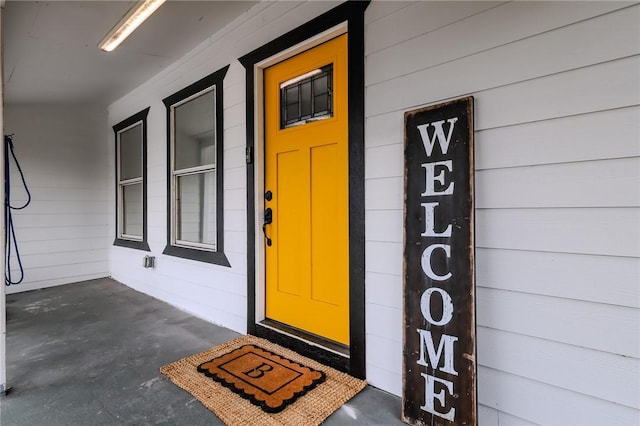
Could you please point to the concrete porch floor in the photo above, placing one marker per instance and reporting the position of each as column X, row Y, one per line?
column 90, row 353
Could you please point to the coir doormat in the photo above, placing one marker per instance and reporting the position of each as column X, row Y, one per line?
column 253, row 381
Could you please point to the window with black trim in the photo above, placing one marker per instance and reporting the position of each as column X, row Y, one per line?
column 131, row 181
column 195, row 172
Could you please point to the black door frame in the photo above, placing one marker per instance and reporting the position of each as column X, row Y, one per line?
column 351, row 12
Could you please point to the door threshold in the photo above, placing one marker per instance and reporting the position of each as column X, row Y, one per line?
column 325, row 351
column 310, row 338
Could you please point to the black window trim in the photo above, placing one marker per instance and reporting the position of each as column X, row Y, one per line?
column 216, row 257
column 140, row 117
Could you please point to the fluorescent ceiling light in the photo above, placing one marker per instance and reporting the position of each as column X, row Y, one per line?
column 129, row 22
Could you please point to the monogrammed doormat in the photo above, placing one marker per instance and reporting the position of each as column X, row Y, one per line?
column 253, row 381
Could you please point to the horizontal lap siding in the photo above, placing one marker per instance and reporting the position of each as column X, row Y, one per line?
column 215, row 293
column 593, row 136
column 63, row 234
column 551, row 25
column 602, row 231
column 557, row 195
column 544, row 404
column 566, row 275
column 574, row 368
column 580, row 184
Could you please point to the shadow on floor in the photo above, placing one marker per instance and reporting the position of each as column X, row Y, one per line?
column 90, row 353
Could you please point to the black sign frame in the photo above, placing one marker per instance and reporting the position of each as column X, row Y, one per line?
column 439, row 360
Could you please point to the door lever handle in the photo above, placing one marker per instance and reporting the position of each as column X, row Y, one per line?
column 268, row 219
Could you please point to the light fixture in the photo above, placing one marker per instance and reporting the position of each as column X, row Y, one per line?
column 128, row 24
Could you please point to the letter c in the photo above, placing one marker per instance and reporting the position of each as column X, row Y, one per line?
column 426, row 261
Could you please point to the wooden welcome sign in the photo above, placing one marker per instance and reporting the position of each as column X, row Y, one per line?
column 439, row 372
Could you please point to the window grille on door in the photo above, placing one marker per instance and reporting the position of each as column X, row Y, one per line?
column 307, row 98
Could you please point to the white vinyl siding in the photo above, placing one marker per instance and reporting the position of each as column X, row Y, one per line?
column 557, row 191
column 63, row 234
column 556, row 87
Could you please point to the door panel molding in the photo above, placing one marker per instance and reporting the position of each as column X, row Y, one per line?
column 351, row 13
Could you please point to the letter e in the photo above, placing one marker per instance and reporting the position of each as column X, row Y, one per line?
column 430, row 396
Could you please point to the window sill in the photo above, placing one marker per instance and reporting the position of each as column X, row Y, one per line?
column 214, row 257
column 139, row 245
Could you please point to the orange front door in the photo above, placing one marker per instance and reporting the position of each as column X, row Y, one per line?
column 306, row 175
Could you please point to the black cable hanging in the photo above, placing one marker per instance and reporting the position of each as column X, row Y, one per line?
column 10, row 233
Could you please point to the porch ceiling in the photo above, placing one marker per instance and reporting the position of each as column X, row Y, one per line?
column 51, row 54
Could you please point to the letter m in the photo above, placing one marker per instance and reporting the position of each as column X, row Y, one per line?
column 445, row 345
column 438, row 133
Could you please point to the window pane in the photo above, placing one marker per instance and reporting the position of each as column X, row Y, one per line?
column 131, row 152
column 132, row 210
column 291, row 94
column 194, row 123
column 305, row 102
column 306, row 97
column 321, row 104
column 196, row 208
column 320, row 84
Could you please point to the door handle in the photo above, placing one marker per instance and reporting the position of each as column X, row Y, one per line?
column 268, row 216
column 268, row 219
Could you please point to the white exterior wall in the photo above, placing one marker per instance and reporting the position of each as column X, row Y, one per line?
column 557, row 191
column 62, row 234
column 215, row 293
column 556, row 87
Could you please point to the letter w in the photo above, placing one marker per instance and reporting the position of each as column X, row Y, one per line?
column 445, row 345
column 438, row 133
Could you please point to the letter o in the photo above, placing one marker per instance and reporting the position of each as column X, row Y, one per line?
column 447, row 306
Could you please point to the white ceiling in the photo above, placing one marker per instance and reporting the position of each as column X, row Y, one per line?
column 51, row 54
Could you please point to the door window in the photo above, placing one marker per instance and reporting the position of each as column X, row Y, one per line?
column 307, row 98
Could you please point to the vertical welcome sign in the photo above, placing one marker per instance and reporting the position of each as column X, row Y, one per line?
column 439, row 373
